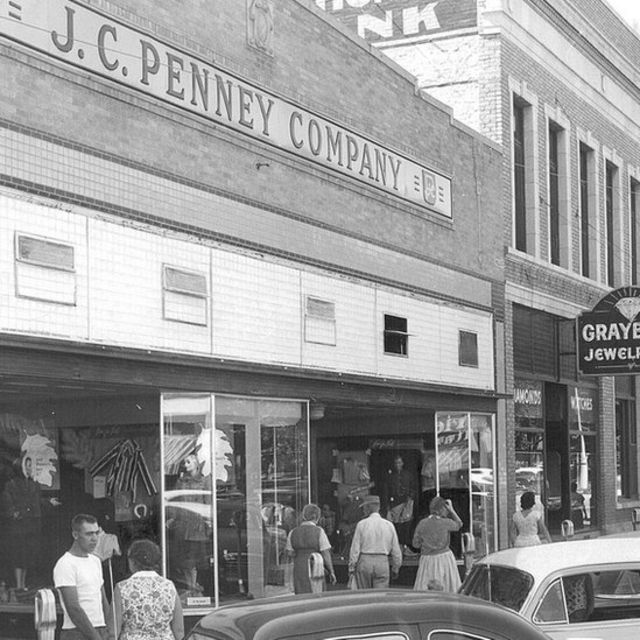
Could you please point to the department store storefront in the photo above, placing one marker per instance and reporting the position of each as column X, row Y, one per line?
column 218, row 480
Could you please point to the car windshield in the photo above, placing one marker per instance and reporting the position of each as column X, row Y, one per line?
column 504, row 585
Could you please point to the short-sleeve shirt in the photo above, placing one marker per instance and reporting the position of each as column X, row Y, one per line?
column 323, row 542
column 85, row 574
column 432, row 534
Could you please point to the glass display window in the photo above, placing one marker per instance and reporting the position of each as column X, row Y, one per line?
column 465, row 461
column 77, row 453
column 236, row 478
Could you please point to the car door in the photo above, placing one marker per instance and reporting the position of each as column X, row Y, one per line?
column 599, row 602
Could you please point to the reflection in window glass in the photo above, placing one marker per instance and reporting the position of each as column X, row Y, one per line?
column 616, row 594
column 464, row 459
column 234, row 488
column 503, row 585
column 454, row 635
column 188, row 496
column 551, row 608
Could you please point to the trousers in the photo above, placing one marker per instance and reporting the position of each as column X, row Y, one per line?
column 372, row 572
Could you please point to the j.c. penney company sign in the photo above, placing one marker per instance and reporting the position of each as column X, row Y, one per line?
column 608, row 337
column 92, row 41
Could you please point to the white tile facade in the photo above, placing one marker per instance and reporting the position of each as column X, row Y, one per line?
column 256, row 305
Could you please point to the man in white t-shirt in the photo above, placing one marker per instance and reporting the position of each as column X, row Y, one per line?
column 78, row 578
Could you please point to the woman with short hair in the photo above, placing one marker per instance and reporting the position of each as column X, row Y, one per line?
column 304, row 540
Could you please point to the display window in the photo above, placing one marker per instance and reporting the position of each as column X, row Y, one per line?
column 407, row 461
column 529, row 440
column 97, row 455
column 465, row 462
column 216, row 481
column 235, row 481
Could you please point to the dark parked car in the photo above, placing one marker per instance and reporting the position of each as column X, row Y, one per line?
column 395, row 614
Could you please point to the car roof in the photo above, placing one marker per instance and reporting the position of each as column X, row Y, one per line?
column 340, row 612
column 543, row 559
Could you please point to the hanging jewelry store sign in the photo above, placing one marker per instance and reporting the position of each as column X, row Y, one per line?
column 608, row 337
column 94, row 42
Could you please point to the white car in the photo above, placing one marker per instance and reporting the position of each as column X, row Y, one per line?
column 570, row 590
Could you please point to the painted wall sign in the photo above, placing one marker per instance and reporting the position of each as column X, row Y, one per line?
column 380, row 20
column 609, row 336
column 91, row 41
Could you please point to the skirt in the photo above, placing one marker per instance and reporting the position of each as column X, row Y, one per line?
column 438, row 573
column 527, row 541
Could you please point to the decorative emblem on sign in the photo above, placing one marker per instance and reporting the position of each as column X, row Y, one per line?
column 260, row 25
column 628, row 307
column 429, row 192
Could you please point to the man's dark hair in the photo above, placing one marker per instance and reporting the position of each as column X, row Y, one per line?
column 80, row 519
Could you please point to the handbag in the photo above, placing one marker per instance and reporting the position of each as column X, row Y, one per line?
column 401, row 512
column 352, row 583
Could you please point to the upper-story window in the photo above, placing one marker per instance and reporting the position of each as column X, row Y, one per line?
column 587, row 211
column 634, row 192
column 319, row 321
column 45, row 269
column 519, row 176
column 185, row 296
column 467, row 348
column 396, row 338
column 554, row 193
column 612, row 222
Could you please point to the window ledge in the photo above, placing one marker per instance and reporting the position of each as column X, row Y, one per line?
column 627, row 503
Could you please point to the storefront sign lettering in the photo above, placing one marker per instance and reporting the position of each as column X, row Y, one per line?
column 378, row 20
column 527, row 396
column 608, row 337
column 581, row 403
column 91, row 41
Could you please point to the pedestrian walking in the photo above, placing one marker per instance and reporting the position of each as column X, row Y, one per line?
column 146, row 606
column 527, row 527
column 302, row 542
column 375, row 541
column 78, row 577
column 437, row 570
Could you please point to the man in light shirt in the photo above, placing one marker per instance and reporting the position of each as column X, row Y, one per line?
column 78, row 578
column 374, row 541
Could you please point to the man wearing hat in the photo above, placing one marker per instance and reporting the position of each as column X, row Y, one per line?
column 374, row 540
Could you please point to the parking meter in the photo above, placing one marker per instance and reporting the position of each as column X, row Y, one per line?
column 468, row 550
column 635, row 518
column 567, row 529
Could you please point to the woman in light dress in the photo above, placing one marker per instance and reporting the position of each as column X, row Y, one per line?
column 527, row 527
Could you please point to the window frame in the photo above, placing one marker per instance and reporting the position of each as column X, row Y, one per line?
column 187, row 293
column 472, row 364
column 328, row 320
column 393, row 333
column 38, row 263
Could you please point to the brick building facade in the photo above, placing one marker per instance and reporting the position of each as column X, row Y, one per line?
column 236, row 233
column 555, row 83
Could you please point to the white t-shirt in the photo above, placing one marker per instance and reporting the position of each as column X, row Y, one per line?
column 85, row 574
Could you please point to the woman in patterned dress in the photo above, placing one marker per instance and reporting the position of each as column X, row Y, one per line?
column 146, row 605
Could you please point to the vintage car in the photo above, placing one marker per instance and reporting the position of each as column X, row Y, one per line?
column 574, row 589
column 395, row 614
